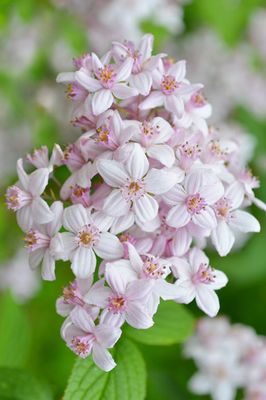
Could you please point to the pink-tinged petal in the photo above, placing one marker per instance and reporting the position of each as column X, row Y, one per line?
column 140, row 289
column 82, row 319
column 24, row 218
column 101, row 101
column 207, row 300
column 62, row 308
column 115, row 204
column 194, row 181
column 178, row 70
column 174, row 104
column 122, row 224
column 86, row 81
column 181, row 269
column 181, row 242
column 63, row 245
column 205, row 218
column 109, row 247
column 98, row 294
column 145, row 47
column 38, row 181
column 23, row 177
column 159, row 181
column 122, row 91
column 96, row 62
column 113, row 172
column 48, row 267
column 41, row 212
column 221, row 280
column 83, row 262
column 75, row 217
column 102, row 358
column 118, row 274
column 244, row 222
column 166, row 290
column 65, row 77
column 178, row 216
column 124, row 70
column 197, row 257
column 69, row 330
column 189, row 89
column 54, row 226
column 223, row 238
column 259, row 203
column 186, row 291
column 142, row 82
column 35, row 258
column 164, row 130
column 212, row 189
column 109, row 318
column 135, row 259
column 145, row 208
column 201, row 384
column 137, row 163
column 137, row 317
column 107, row 335
column 152, row 225
column 175, row 196
column 155, row 99
column 102, row 220
column 163, row 153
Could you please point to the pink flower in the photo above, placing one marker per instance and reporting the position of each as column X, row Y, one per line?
column 133, row 183
column 171, row 87
column 230, row 218
column 108, row 83
column 193, row 201
column 83, row 337
column 124, row 299
column 84, row 239
column 39, row 242
column 40, row 157
column 25, row 197
column 196, row 279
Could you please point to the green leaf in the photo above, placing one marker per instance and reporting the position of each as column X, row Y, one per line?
column 125, row 382
column 16, row 384
column 172, row 324
column 14, row 334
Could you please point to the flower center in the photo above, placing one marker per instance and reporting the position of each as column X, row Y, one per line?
column 168, row 84
column 205, row 274
column 195, row 203
column 223, row 208
column 190, row 151
column 117, row 304
column 133, row 190
column 106, row 76
column 16, row 198
column 103, row 134
column 152, row 269
column 72, row 295
column 82, row 345
column 88, row 236
column 36, row 240
column 198, row 100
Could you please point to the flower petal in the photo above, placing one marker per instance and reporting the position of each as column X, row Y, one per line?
column 207, row 300
column 137, row 317
column 102, row 358
column 23, row 177
column 222, row 238
column 48, row 267
column 159, row 181
column 86, row 81
column 75, row 217
column 244, row 222
column 145, row 208
column 137, row 164
column 122, row 91
column 106, row 335
column 101, row 101
column 205, row 218
column 163, row 153
column 109, row 247
column 38, row 181
column 41, row 212
column 178, row 216
column 24, row 218
column 142, row 82
column 113, row 172
column 118, row 274
column 181, row 242
column 115, row 204
column 155, row 99
column 83, row 262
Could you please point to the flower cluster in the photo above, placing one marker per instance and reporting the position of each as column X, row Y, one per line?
column 148, row 186
column 229, row 357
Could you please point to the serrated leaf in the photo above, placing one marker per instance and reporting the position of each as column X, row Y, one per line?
column 172, row 324
column 14, row 333
column 125, row 382
column 16, row 384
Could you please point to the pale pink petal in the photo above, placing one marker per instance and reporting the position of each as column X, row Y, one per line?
column 98, row 294
column 181, row 242
column 96, row 62
column 155, row 99
column 178, row 70
column 102, row 220
column 65, row 77
column 145, row 208
column 181, row 268
column 124, row 70
column 62, row 308
column 201, row 384
column 164, row 130
column 221, row 280
column 112, row 172
column 122, row 91
column 38, row 181
column 159, row 181
column 86, row 81
column 23, row 177
column 205, row 218
column 174, row 104
column 24, row 218
column 54, row 226
column 142, row 82
column 186, row 291
column 109, row 247
column 115, row 204
column 106, row 335
column 63, row 245
column 189, row 89
column 109, row 318
column 176, row 195
column 83, row 262
column 259, row 203
column 123, row 223
column 118, row 274
column 137, row 317
column 163, row 153
column 137, row 164
column 101, row 101
column 41, row 212
column 75, row 217
column 102, row 358
column 207, row 300
column 166, row 290
column 48, row 267
column 139, row 289
column 134, row 258
column 223, row 238
column 178, row 216
column 82, row 319
column 244, row 222
column 35, row 258
column 145, row 46
column 194, row 181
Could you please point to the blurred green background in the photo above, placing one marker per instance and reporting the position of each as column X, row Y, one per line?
column 33, row 112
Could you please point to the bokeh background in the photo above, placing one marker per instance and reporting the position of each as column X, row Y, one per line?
column 224, row 43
